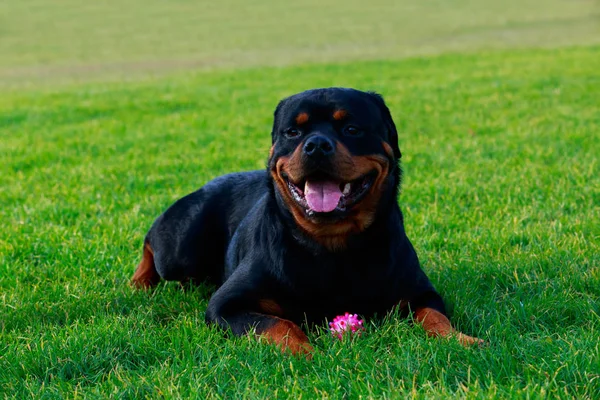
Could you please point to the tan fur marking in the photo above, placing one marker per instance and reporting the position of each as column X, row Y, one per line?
column 339, row 115
column 302, row 118
column 437, row 324
column 288, row 336
column 145, row 275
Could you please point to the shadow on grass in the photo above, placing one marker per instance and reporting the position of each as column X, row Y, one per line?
column 61, row 306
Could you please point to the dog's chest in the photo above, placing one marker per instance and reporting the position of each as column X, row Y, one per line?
column 333, row 285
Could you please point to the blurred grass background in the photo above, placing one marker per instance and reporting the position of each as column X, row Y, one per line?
column 66, row 40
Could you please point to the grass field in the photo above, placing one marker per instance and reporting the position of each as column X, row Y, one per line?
column 45, row 41
column 501, row 197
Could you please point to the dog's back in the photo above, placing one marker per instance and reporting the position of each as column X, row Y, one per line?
column 190, row 238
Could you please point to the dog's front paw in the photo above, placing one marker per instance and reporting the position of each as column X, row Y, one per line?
column 289, row 337
column 467, row 340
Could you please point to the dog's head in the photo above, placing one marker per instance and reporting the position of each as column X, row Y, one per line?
column 334, row 161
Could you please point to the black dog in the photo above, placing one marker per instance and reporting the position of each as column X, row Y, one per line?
column 317, row 234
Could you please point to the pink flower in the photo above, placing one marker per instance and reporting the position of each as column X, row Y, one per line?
column 346, row 323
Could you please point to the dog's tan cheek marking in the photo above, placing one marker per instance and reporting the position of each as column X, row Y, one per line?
column 367, row 208
column 339, row 115
column 344, row 162
column 292, row 165
column 281, row 184
column 271, row 151
column 302, row 118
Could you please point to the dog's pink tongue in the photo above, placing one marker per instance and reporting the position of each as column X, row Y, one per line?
column 322, row 196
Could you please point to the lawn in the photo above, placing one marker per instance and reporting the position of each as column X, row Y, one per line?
column 74, row 40
column 501, row 197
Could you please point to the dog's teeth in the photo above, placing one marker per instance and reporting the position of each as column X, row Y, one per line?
column 347, row 188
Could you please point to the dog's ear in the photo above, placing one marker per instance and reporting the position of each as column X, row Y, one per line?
column 389, row 122
column 278, row 110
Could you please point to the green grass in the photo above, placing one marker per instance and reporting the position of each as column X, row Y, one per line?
column 45, row 41
column 501, row 197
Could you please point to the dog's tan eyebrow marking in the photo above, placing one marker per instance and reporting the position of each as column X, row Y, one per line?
column 302, row 118
column 340, row 114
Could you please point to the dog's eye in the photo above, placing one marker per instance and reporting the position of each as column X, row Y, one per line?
column 352, row 130
column 291, row 132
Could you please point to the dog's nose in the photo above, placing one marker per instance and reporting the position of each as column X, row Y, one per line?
column 318, row 146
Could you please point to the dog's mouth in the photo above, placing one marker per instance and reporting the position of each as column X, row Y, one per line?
column 321, row 195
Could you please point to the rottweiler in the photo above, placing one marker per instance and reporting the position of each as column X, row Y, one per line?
column 317, row 234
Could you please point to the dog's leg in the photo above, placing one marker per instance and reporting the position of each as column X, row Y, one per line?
column 235, row 306
column 145, row 275
column 278, row 331
column 287, row 335
column 437, row 324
